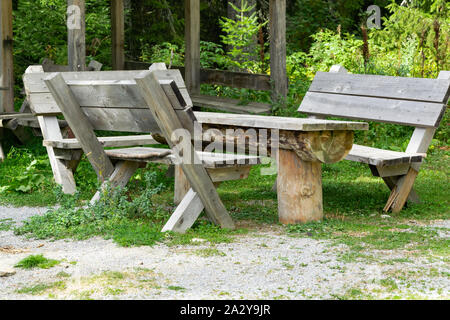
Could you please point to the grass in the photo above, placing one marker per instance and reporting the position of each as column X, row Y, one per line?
column 6, row 224
column 41, row 288
column 37, row 261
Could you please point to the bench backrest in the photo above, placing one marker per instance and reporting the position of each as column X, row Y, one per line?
column 407, row 101
column 110, row 99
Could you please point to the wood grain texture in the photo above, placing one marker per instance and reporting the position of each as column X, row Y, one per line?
column 186, row 214
column 192, row 42
column 415, row 89
column 413, row 113
column 118, row 34
column 6, row 57
column 278, row 72
column 299, row 186
column 76, row 34
column 280, row 123
column 381, row 157
column 107, row 142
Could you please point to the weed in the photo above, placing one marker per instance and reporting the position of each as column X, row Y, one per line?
column 37, row 261
column 40, row 288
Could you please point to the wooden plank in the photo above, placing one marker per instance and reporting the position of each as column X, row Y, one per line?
column 416, row 89
column 413, row 113
column 95, row 93
column 278, row 72
column 76, row 43
column 118, row 34
column 122, row 120
column 195, row 173
column 107, row 142
column 400, row 193
column 6, row 57
column 231, row 105
column 34, row 83
column 80, row 126
column 63, row 176
column 186, row 213
column 299, row 188
column 280, row 123
column 182, row 185
column 380, row 157
column 192, row 44
column 139, row 154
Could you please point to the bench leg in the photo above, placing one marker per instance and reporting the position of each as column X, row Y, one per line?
column 123, row 172
column 182, row 185
column 401, row 191
column 186, row 213
column 299, row 186
column 62, row 174
column 391, row 182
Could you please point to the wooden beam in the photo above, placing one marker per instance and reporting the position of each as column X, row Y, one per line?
column 80, row 125
column 118, row 34
column 76, row 42
column 6, row 56
column 278, row 51
column 196, row 174
column 192, row 40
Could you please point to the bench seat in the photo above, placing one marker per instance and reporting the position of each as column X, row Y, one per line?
column 210, row 160
column 380, row 157
column 230, row 105
column 107, row 142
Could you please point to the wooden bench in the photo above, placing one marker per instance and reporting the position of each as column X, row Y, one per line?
column 112, row 101
column 420, row 103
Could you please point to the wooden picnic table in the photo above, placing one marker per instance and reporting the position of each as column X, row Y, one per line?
column 304, row 145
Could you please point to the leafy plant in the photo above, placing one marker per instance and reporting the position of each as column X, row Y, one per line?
column 31, row 178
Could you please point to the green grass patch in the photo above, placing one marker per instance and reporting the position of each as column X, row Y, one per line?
column 37, row 261
column 209, row 252
column 41, row 288
column 6, row 224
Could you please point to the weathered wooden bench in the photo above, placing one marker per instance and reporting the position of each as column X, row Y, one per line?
column 416, row 102
column 112, row 101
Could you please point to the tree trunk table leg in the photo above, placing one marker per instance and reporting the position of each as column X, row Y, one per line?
column 299, row 185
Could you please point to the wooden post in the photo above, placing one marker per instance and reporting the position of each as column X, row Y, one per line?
column 278, row 73
column 182, row 185
column 192, row 39
column 118, row 34
column 76, row 26
column 299, row 189
column 6, row 57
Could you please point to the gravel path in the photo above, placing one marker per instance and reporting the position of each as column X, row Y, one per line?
column 264, row 264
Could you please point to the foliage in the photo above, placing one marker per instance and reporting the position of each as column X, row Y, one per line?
column 113, row 208
column 240, row 35
column 37, row 261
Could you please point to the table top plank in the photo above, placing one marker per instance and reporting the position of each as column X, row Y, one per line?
column 280, row 123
